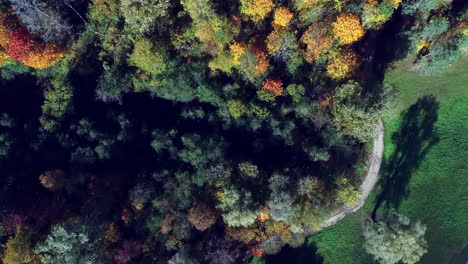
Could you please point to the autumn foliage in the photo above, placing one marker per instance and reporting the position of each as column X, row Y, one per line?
column 343, row 65
column 20, row 45
column 262, row 62
column 5, row 30
column 264, row 215
column 273, row 86
column 282, row 16
column 257, row 10
column 18, row 248
column 347, row 28
column 44, row 56
column 237, row 50
column 317, row 41
column 257, row 252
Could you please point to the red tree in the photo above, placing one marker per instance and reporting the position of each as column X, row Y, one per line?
column 21, row 44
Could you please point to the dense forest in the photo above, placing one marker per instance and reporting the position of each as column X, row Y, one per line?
column 196, row 131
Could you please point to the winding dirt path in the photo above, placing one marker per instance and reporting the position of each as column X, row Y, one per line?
column 370, row 180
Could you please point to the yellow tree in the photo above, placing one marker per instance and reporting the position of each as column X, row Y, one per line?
column 44, row 56
column 343, row 65
column 282, row 16
column 237, row 50
column 347, row 28
column 257, row 10
column 18, row 248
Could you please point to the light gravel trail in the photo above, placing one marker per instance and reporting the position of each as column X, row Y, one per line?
column 369, row 181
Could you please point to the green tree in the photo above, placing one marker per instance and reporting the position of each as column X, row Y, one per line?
column 147, row 57
column 395, row 240
column 280, row 204
column 146, row 15
column 346, row 193
column 353, row 115
column 248, row 170
column 66, row 246
column 237, row 108
column 57, row 103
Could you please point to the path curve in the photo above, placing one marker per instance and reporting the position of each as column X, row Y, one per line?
column 370, row 180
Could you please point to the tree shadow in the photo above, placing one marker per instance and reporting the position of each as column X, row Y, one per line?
column 306, row 254
column 412, row 142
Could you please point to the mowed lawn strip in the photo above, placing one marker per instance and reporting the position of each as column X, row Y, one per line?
column 438, row 188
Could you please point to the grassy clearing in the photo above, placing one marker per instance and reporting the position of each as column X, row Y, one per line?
column 437, row 189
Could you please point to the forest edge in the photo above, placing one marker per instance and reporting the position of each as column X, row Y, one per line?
column 369, row 181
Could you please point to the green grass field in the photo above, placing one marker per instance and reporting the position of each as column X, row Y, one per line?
column 437, row 181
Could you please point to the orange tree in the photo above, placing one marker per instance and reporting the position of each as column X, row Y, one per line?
column 20, row 45
column 273, row 86
column 317, row 40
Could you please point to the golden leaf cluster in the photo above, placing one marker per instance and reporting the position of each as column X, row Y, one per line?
column 257, row 10
column 44, row 56
column 347, row 28
column 237, row 50
column 283, row 16
column 343, row 65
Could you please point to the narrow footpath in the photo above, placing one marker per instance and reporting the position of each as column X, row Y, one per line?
column 369, row 181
